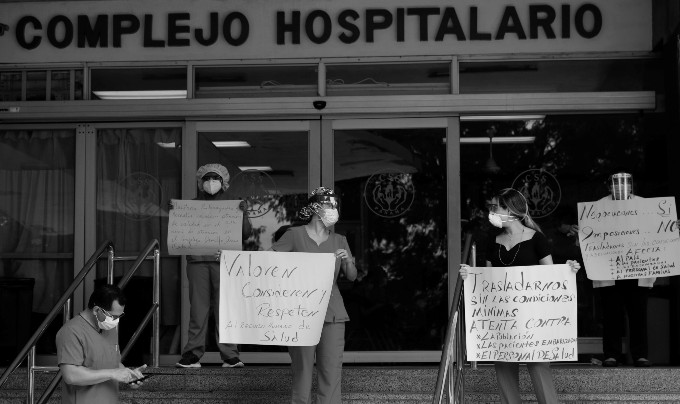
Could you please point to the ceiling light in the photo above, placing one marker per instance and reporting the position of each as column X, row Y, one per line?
column 170, row 145
column 508, row 139
column 500, row 117
column 231, row 143
column 141, row 95
column 256, row 168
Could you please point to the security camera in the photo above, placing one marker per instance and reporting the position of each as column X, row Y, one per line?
column 3, row 28
column 319, row 104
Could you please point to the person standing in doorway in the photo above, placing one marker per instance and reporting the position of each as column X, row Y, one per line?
column 321, row 214
column 624, row 298
column 520, row 243
column 204, row 279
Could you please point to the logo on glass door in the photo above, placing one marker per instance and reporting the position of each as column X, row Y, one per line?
column 138, row 196
column 255, row 187
column 541, row 189
column 389, row 194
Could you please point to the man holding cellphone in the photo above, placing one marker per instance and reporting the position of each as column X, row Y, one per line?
column 88, row 352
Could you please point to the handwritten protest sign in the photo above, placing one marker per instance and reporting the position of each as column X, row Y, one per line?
column 629, row 239
column 274, row 298
column 204, row 227
column 521, row 314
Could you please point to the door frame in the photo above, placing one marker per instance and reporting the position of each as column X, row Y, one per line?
column 320, row 172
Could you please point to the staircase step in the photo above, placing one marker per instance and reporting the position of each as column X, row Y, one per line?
column 380, row 384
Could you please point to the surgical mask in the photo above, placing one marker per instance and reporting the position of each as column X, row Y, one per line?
column 329, row 217
column 109, row 322
column 496, row 220
column 212, row 186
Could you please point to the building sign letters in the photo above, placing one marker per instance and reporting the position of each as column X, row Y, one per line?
column 240, row 28
column 349, row 26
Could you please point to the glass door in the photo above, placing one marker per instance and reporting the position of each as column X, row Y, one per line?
column 396, row 182
column 272, row 166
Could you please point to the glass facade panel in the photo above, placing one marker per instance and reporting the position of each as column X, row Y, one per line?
column 386, row 79
column 10, row 86
column 138, row 172
column 135, row 80
column 78, row 85
column 392, row 188
column 557, row 162
column 561, row 76
column 36, row 225
column 269, row 171
column 36, row 81
column 256, row 81
column 61, row 85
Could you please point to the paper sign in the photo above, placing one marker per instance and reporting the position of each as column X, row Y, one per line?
column 204, row 227
column 521, row 314
column 274, row 298
column 629, row 239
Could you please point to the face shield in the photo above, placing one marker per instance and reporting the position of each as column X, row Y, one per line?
column 621, row 185
column 327, row 201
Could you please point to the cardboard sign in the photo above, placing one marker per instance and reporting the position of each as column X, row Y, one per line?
column 629, row 239
column 274, row 298
column 204, row 227
column 521, row 314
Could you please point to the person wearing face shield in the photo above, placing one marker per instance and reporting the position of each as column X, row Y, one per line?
column 321, row 213
column 203, row 272
column 88, row 354
column 520, row 243
column 624, row 298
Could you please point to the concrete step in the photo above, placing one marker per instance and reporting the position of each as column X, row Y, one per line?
column 380, row 384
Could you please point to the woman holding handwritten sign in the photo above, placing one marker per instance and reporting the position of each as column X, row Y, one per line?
column 316, row 237
column 521, row 243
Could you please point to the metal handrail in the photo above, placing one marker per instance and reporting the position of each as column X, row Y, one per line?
column 64, row 303
column 154, row 312
column 453, row 354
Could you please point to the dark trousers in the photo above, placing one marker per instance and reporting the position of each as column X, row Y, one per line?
column 204, row 291
column 624, row 300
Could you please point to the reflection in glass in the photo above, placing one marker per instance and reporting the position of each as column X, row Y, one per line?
column 256, row 81
column 392, row 188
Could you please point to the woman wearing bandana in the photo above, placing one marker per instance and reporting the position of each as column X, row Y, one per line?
column 520, row 243
column 316, row 237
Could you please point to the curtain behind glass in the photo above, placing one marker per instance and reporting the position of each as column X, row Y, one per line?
column 36, row 210
column 138, row 172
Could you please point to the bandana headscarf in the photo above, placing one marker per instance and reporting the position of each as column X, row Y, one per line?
column 314, row 206
column 218, row 169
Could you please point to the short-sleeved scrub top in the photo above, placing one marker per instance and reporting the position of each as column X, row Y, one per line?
column 80, row 344
column 296, row 239
column 525, row 253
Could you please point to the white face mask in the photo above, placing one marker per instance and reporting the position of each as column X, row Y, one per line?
column 496, row 220
column 329, row 217
column 212, row 186
column 109, row 322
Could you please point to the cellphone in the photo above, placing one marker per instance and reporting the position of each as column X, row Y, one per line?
column 141, row 379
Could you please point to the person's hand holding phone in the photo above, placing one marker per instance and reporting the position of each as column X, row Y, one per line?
column 137, row 383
